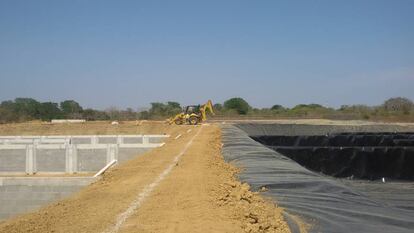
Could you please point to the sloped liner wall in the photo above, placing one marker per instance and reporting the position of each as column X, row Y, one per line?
column 327, row 203
column 355, row 155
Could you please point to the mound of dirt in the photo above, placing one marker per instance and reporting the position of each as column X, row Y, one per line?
column 257, row 214
column 89, row 128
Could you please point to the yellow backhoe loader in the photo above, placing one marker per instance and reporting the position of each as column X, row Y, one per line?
column 193, row 114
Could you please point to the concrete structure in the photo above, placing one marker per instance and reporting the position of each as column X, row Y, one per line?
column 60, row 121
column 20, row 195
column 83, row 139
column 59, row 155
column 70, row 154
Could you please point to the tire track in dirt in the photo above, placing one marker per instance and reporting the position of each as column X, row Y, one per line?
column 202, row 194
column 94, row 208
column 148, row 189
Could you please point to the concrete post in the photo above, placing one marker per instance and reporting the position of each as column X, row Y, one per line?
column 116, row 156
column 35, row 157
column 111, row 153
column 120, row 140
column 68, row 140
column 108, row 153
column 30, row 159
column 75, row 159
column 94, row 140
column 68, row 159
column 145, row 139
column 71, row 162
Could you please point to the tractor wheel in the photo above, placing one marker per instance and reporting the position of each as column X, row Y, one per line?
column 193, row 120
column 178, row 122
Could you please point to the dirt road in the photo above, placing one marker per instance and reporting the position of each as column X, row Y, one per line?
column 184, row 186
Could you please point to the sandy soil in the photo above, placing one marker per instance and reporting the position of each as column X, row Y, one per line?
column 200, row 194
column 89, row 128
column 146, row 127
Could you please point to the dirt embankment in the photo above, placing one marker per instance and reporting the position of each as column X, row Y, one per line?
column 200, row 194
column 89, row 128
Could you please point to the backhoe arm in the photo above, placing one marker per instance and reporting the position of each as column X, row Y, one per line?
column 204, row 108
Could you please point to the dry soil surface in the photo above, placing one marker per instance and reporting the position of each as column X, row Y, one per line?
column 156, row 192
column 89, row 128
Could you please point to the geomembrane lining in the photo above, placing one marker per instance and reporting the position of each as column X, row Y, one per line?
column 326, row 203
column 354, row 155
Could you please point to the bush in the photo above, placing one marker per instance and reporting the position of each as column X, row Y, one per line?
column 93, row 115
column 237, row 104
column 218, row 107
column 158, row 110
column 6, row 116
column 398, row 104
column 277, row 107
column 144, row 115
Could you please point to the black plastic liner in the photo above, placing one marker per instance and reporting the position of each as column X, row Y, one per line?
column 355, row 162
column 340, row 140
column 303, row 129
column 355, row 155
column 329, row 204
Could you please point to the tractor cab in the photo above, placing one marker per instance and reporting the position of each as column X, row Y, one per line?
column 192, row 109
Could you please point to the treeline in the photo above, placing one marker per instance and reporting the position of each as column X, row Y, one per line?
column 393, row 109
column 26, row 109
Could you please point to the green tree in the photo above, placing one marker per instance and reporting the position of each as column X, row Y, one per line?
column 173, row 105
column 307, row 106
column 71, row 108
column 128, row 114
column 218, row 107
column 277, row 107
column 113, row 113
column 144, row 115
column 157, row 109
column 94, row 115
column 49, row 111
column 398, row 104
column 22, row 108
column 310, row 110
column 6, row 115
column 27, row 108
column 238, row 104
column 173, row 108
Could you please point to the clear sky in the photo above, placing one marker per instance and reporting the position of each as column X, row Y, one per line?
column 131, row 53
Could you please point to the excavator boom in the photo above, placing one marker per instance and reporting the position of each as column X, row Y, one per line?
column 204, row 108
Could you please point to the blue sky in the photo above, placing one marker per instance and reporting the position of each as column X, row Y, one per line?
column 131, row 53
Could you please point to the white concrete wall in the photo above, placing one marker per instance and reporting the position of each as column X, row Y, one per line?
column 70, row 154
column 19, row 195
